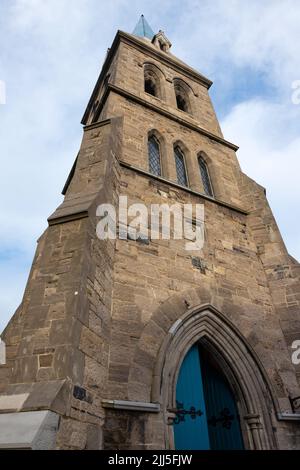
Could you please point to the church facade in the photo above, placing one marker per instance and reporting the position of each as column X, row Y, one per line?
column 140, row 343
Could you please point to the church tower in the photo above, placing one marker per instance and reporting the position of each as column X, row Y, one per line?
column 139, row 343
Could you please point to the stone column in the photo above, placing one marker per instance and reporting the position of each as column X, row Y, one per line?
column 193, row 171
column 255, row 427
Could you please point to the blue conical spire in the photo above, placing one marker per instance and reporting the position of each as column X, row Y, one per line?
column 143, row 29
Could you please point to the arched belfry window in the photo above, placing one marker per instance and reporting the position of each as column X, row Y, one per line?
column 150, row 85
column 180, row 166
column 154, row 155
column 205, row 177
column 182, row 96
column 181, row 103
column 151, row 82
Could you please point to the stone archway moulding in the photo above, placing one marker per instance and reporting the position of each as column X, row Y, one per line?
column 254, row 395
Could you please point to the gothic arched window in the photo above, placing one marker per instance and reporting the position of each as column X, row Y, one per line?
column 205, row 177
column 181, row 103
column 151, row 82
column 154, row 156
column 182, row 97
column 150, row 86
column 180, row 167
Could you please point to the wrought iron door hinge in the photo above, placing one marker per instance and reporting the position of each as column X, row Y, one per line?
column 224, row 418
column 181, row 413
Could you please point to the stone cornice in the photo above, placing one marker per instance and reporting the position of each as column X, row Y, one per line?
column 288, row 416
column 131, row 406
column 166, row 58
column 184, row 122
column 78, row 208
column 95, row 125
column 162, row 56
column 182, row 188
column 67, row 218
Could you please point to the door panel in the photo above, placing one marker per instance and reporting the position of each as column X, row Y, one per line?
column 190, row 432
column 207, row 416
column 222, row 414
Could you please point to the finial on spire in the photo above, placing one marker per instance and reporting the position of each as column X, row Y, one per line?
column 143, row 29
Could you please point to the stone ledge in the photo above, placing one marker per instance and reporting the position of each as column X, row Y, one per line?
column 51, row 395
column 34, row 430
column 288, row 416
column 183, row 188
column 73, row 208
column 168, row 59
column 131, row 406
column 95, row 125
column 193, row 126
column 68, row 218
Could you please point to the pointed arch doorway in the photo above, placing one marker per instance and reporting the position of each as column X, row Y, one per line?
column 206, row 412
column 205, row 325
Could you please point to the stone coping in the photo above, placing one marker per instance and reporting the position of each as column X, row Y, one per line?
column 163, row 57
column 174, row 117
column 288, row 416
column 131, row 406
column 35, row 430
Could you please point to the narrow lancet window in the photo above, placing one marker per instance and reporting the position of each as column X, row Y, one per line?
column 180, row 167
column 154, row 156
column 205, row 177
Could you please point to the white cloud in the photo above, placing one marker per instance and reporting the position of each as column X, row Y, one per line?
column 270, row 155
column 260, row 34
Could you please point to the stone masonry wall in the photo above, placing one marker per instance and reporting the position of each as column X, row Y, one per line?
column 58, row 340
column 148, row 275
column 95, row 313
column 138, row 122
column 130, row 76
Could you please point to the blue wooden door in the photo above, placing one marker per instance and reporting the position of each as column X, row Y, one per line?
column 207, row 416
column 222, row 414
column 190, row 429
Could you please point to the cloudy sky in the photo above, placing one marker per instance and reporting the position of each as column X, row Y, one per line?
column 51, row 52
